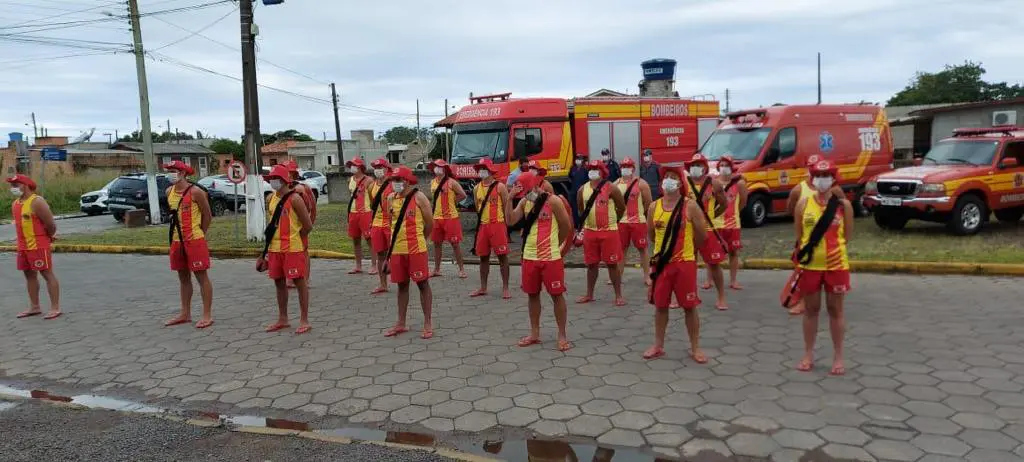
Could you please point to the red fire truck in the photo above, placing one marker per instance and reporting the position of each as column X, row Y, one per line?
column 552, row 130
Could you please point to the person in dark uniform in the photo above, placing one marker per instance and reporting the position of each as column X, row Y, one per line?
column 649, row 172
column 614, row 172
column 577, row 178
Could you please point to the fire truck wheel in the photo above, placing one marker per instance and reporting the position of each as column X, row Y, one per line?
column 756, row 212
column 968, row 216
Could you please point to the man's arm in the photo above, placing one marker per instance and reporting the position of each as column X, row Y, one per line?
column 645, row 194
column 650, row 227
column 502, row 193
column 620, row 202
column 696, row 217
column 579, row 201
column 847, row 218
column 798, row 220
column 513, row 215
column 563, row 220
column 200, row 198
column 428, row 219
column 299, row 206
column 791, row 202
column 718, row 191
column 741, row 187
column 460, row 193
column 42, row 210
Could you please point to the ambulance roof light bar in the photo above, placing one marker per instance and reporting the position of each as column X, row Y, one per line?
column 489, row 98
column 1005, row 130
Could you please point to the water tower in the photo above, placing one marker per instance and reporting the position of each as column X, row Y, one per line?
column 659, row 78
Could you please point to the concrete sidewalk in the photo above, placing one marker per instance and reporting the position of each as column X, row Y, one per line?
column 934, row 364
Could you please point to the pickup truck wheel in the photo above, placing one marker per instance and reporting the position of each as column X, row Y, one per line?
column 859, row 209
column 1010, row 215
column 890, row 221
column 968, row 216
column 756, row 212
column 219, row 207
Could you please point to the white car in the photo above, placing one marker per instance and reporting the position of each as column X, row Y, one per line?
column 315, row 180
column 95, row 202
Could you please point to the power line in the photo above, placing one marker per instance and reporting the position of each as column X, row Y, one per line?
column 195, row 33
column 61, row 15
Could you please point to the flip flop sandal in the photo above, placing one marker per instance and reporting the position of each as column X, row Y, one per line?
column 303, row 329
column 699, row 359
column 654, row 353
column 564, row 345
column 463, row 275
column 373, row 271
column 277, row 326
column 29, row 314
column 620, row 302
column 478, row 293
column 435, row 274
column 528, row 341
column 204, row 324
column 396, row 331
column 427, row 335
column 735, row 287
column 177, row 322
column 584, row 299
column 722, row 307
column 506, row 295
column 805, row 366
column 355, row 272
column 53, row 315
column 378, row 290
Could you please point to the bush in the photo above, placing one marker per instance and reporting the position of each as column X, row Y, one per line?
column 62, row 193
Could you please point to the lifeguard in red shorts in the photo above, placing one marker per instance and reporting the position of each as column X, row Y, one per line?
column 492, row 234
column 827, row 266
column 447, row 221
column 711, row 200
column 287, row 253
column 380, row 224
column 408, row 260
column 601, row 230
column 190, row 254
column 310, row 200
column 547, row 236
column 728, row 225
column 35, row 229
column 633, row 223
column 359, row 219
column 539, row 170
column 677, row 231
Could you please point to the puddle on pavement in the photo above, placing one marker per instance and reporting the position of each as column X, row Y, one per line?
column 5, row 390
column 102, row 402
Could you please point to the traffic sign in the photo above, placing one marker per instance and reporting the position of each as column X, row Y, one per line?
column 236, row 172
column 54, row 154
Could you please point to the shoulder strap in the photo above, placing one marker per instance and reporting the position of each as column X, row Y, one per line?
column 275, row 219
column 590, row 203
column 175, row 222
column 483, row 203
column 375, row 202
column 437, row 192
column 702, row 190
column 704, row 211
column 818, row 232
column 352, row 199
column 629, row 190
column 398, row 226
column 531, row 218
column 733, row 182
column 668, row 242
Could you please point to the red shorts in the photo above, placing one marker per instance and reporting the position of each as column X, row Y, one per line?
column 601, row 246
column 35, row 260
column 380, row 239
column 195, row 258
column 359, row 224
column 411, row 266
column 549, row 274
column 447, row 230
column 679, row 278
column 633, row 233
column 834, row 282
column 712, row 252
column 732, row 239
column 492, row 238
column 287, row 265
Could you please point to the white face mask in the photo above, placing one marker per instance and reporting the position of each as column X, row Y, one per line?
column 483, row 174
column 439, row 171
column 353, row 169
column 696, row 171
column 173, row 176
column 725, row 170
column 594, row 175
column 648, row 158
column 670, row 185
column 16, row 191
column 379, row 172
column 579, row 162
column 276, row 184
column 627, row 172
column 822, row 183
column 398, row 186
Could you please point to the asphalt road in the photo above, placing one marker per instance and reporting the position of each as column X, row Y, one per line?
column 36, row 431
column 68, row 226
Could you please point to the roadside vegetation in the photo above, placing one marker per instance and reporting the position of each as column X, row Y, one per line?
column 63, row 193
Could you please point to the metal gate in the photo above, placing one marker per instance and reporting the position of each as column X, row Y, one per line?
column 621, row 137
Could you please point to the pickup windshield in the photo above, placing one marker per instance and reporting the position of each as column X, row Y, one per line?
column 470, row 146
column 967, row 152
column 127, row 185
column 741, row 144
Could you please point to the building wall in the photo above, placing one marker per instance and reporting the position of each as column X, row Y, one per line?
column 944, row 123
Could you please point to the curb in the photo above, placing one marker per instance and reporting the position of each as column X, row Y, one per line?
column 884, row 267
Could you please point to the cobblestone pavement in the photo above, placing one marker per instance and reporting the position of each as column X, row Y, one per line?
column 935, row 364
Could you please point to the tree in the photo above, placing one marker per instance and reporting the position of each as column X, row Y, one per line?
column 954, row 84
column 283, row 135
column 400, row 135
column 136, row 137
column 226, row 146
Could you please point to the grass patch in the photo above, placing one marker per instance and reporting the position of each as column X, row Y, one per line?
column 327, row 234
column 63, row 194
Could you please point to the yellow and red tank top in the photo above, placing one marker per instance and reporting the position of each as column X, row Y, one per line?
column 189, row 216
column 494, row 209
column 830, row 255
column 806, row 191
column 684, row 240
column 444, row 208
column 635, row 212
column 29, row 228
column 603, row 216
column 360, row 194
column 731, row 217
column 410, row 239
column 383, row 217
column 542, row 244
column 287, row 239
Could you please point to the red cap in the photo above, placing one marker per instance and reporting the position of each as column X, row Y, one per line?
column 485, row 164
column 404, row 173
column 813, row 159
column 627, row 162
column 441, row 163
column 358, row 162
column 698, row 159
column 726, row 160
column 823, row 168
column 278, row 171
column 179, row 166
column 529, row 180
column 23, row 180
column 598, row 165
column 292, row 166
column 534, row 165
column 380, row 163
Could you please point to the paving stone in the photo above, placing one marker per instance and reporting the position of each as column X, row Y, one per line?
column 388, row 403
column 476, row 421
column 758, row 424
column 987, row 439
column 991, row 455
column 944, row 445
column 978, row 421
column 893, row 450
column 439, row 424
column 572, row 396
column 934, row 425
column 844, row 435
column 631, row 420
column 549, row 428
column 602, row 407
column 560, row 412
column 928, row 409
column 752, row 445
column 533, row 400
column 701, row 449
column 844, row 452
column 885, row 412
column 642, row 403
column 588, row 425
column 519, row 417
column 493, row 404
column 451, row 409
column 797, row 439
column 666, row 435
column 624, row 438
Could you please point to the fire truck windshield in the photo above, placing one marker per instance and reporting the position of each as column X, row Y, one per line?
column 741, row 144
column 471, row 146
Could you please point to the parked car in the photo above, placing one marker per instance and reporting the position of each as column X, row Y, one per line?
column 316, row 180
column 129, row 192
column 95, row 202
column 960, row 182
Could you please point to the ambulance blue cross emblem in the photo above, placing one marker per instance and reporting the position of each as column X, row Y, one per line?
column 825, row 142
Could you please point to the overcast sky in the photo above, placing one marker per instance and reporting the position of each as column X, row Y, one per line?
column 385, row 54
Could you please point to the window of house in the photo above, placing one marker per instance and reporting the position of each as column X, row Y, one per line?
column 330, row 160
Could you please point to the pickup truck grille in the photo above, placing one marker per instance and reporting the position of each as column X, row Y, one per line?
column 89, row 199
column 897, row 188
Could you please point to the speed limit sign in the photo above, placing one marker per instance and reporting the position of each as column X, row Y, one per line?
column 236, row 172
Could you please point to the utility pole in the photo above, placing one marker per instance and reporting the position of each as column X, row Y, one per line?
column 447, row 132
column 337, row 125
column 419, row 133
column 35, row 132
column 255, row 215
column 819, row 77
column 147, row 135
column 726, row 100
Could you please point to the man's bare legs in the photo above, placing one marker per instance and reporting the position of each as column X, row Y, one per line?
column 533, row 302
column 281, row 285
column 812, row 307
column 734, row 270
column 837, row 327
column 206, row 290
column 457, row 250
column 378, row 262
column 427, row 303
column 437, row 259
column 616, row 276
column 693, row 330
column 660, row 327
column 32, row 285
column 592, row 271
column 717, row 276
column 403, row 305
column 485, row 272
column 506, row 293
column 303, row 288
column 357, row 249
column 185, row 292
